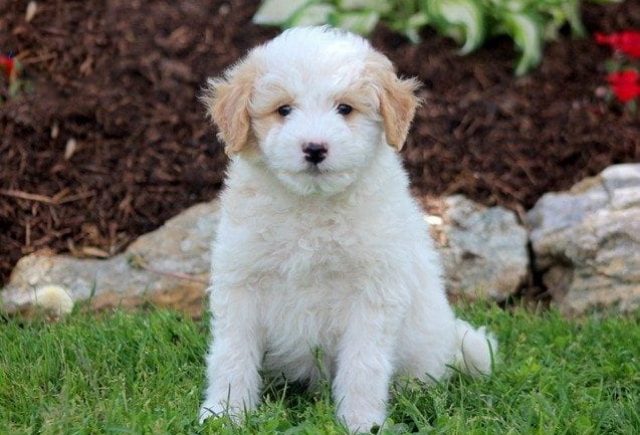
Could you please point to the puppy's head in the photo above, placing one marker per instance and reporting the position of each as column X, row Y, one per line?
column 313, row 106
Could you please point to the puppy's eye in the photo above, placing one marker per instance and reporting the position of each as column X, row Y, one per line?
column 284, row 110
column 344, row 109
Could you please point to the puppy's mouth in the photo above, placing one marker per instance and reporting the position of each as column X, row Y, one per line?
column 315, row 170
column 307, row 170
column 311, row 179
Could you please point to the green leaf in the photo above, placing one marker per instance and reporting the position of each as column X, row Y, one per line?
column 14, row 88
column 380, row 6
column 312, row 15
column 571, row 9
column 527, row 33
column 358, row 22
column 557, row 13
column 278, row 12
column 411, row 27
column 502, row 6
column 463, row 20
column 556, row 19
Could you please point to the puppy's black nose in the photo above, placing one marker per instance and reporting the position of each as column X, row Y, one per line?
column 314, row 152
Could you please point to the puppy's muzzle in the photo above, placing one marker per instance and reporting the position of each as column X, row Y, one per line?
column 314, row 152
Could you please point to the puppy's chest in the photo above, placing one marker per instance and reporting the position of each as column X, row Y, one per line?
column 306, row 247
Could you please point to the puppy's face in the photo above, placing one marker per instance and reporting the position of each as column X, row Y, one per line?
column 313, row 105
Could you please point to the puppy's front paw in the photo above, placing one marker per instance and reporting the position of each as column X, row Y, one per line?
column 361, row 420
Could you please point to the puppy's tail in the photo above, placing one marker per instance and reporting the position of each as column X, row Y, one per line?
column 476, row 349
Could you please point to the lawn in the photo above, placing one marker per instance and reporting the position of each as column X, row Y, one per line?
column 143, row 373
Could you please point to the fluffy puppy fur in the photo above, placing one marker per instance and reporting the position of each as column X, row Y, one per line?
column 332, row 255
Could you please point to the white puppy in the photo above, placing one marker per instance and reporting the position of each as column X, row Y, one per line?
column 320, row 245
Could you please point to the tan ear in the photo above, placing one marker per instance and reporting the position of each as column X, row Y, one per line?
column 398, row 101
column 227, row 101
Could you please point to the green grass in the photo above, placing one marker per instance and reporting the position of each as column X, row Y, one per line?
column 144, row 372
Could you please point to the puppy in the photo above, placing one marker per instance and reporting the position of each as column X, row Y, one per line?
column 320, row 245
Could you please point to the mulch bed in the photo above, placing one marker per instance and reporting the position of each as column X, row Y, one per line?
column 121, row 79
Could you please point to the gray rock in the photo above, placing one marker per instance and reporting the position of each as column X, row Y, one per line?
column 167, row 267
column 484, row 250
column 587, row 242
column 484, row 254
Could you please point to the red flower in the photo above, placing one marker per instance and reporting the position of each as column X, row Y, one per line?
column 628, row 42
column 8, row 65
column 625, row 84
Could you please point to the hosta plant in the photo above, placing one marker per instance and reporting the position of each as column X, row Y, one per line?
column 470, row 22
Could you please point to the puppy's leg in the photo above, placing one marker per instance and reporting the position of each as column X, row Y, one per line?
column 432, row 340
column 235, row 356
column 365, row 366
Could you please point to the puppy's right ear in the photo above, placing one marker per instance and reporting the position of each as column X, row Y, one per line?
column 227, row 101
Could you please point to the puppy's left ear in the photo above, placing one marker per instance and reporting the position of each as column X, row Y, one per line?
column 227, row 101
column 398, row 103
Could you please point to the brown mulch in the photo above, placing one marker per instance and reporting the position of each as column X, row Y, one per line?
column 121, row 79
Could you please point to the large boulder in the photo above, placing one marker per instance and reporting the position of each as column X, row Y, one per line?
column 586, row 242
column 484, row 250
column 167, row 267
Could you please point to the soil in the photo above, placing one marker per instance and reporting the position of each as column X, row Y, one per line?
column 110, row 140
